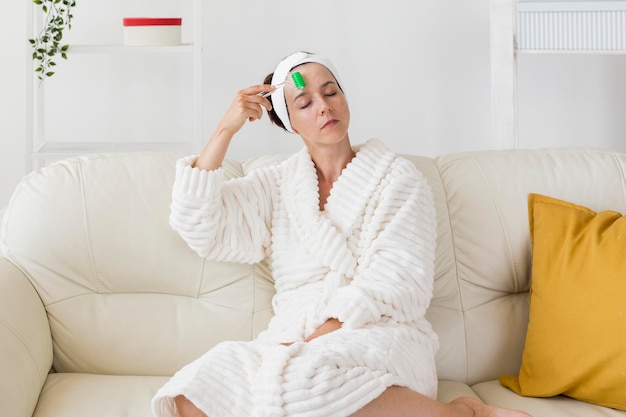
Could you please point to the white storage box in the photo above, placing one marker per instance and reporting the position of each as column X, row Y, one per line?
column 149, row 31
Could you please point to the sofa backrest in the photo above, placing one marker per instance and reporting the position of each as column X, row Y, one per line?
column 480, row 304
column 124, row 295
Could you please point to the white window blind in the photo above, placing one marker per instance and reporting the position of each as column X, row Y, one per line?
column 571, row 25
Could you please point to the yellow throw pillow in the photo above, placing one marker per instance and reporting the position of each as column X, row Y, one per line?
column 576, row 338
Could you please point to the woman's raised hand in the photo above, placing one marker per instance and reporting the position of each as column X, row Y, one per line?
column 247, row 106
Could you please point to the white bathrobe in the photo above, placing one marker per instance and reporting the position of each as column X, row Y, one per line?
column 367, row 260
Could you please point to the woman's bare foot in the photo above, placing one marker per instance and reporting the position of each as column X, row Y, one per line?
column 483, row 410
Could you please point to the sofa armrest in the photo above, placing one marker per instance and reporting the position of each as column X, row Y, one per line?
column 25, row 343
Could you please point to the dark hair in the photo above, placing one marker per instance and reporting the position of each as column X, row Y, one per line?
column 272, row 114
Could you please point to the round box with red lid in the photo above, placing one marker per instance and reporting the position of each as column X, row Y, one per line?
column 152, row 31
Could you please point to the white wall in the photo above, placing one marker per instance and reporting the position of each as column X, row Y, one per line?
column 417, row 75
column 575, row 100
column 12, row 100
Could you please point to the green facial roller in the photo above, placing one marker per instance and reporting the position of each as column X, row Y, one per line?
column 298, row 82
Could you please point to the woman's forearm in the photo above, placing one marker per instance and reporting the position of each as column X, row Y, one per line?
column 214, row 152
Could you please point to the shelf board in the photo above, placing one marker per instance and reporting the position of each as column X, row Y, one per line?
column 124, row 49
column 67, row 149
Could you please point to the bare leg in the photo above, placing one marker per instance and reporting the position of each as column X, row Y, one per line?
column 403, row 402
column 400, row 402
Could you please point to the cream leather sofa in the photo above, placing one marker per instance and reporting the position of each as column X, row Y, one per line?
column 100, row 301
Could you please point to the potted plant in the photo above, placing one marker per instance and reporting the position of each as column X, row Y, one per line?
column 47, row 45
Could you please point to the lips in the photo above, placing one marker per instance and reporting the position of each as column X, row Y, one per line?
column 330, row 123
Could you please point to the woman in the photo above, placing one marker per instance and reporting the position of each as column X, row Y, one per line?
column 350, row 234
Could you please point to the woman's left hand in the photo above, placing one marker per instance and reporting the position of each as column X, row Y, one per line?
column 330, row 326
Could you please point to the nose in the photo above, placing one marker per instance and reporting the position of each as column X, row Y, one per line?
column 325, row 107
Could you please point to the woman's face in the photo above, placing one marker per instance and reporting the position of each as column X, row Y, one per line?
column 319, row 112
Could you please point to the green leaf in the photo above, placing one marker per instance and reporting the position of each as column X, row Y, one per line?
column 58, row 16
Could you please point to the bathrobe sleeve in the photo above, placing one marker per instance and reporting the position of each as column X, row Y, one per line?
column 394, row 275
column 222, row 220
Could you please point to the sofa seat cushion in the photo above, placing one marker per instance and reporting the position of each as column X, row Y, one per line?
column 450, row 390
column 80, row 395
column 492, row 392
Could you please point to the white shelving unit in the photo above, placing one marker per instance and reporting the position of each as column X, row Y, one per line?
column 545, row 27
column 39, row 150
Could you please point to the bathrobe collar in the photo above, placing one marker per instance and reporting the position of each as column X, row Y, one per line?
column 329, row 234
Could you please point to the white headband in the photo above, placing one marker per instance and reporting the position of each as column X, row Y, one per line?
column 280, row 74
